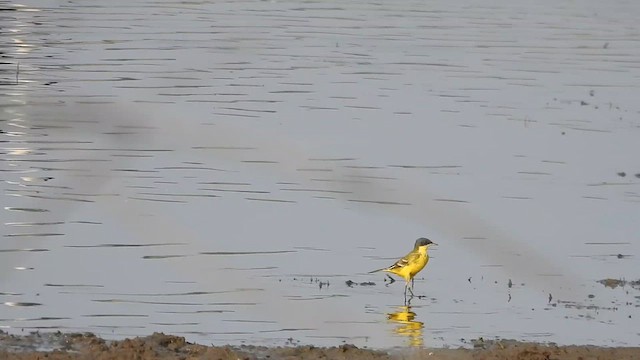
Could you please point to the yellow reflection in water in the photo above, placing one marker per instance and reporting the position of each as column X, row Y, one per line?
column 407, row 325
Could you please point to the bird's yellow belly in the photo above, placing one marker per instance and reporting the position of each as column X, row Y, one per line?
column 409, row 271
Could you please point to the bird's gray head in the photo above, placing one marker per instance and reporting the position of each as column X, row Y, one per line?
column 423, row 242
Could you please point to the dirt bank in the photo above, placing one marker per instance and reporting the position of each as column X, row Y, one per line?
column 59, row 346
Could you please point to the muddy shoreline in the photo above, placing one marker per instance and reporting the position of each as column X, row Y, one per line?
column 59, row 346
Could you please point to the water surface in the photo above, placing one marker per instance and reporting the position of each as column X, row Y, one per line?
column 230, row 171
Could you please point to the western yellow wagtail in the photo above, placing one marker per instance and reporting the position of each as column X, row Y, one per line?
column 411, row 264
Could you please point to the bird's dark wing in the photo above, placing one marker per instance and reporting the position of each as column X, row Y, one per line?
column 409, row 258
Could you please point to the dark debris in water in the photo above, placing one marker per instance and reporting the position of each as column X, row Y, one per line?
column 11, row 303
column 614, row 283
column 390, row 279
column 321, row 284
column 364, row 283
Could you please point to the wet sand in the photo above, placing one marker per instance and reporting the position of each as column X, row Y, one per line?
column 160, row 346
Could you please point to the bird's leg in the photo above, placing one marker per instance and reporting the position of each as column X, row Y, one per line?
column 407, row 301
column 408, row 287
column 411, row 291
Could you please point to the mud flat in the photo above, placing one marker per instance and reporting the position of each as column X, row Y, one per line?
column 160, row 346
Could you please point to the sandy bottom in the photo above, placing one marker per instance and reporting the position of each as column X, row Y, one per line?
column 160, row 346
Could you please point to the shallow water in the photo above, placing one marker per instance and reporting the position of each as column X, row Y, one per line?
column 221, row 170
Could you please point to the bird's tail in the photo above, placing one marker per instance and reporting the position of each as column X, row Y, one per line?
column 375, row 271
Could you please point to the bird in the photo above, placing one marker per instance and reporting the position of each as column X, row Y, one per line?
column 410, row 264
